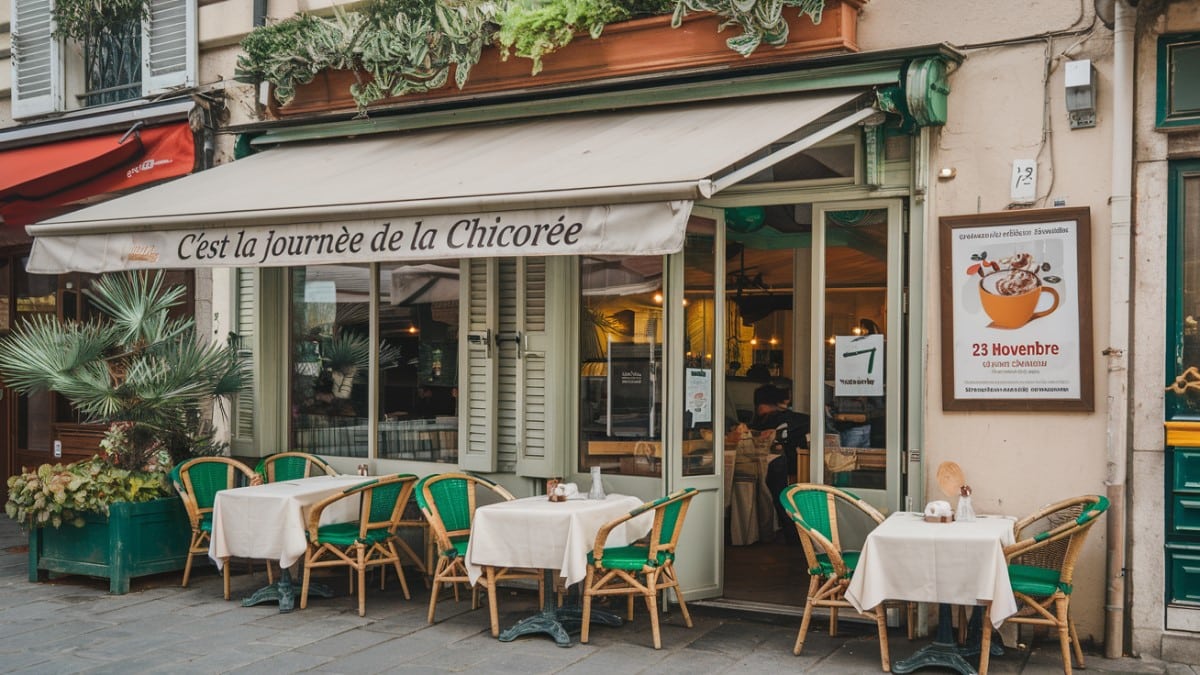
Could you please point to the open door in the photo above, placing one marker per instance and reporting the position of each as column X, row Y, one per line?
column 694, row 426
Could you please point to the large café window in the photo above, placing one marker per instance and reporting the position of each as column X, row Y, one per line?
column 621, row 331
column 415, row 360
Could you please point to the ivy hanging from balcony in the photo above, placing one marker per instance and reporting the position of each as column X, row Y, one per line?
column 411, row 46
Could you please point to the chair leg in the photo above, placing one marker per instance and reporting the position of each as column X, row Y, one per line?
column 652, row 607
column 1075, row 640
column 586, row 618
column 493, row 609
column 360, row 557
column 833, row 612
column 226, row 574
column 1064, row 633
column 399, row 570
column 881, row 622
column 629, row 607
column 687, row 617
column 187, row 569
column 808, row 608
column 307, row 579
column 437, row 586
column 985, row 646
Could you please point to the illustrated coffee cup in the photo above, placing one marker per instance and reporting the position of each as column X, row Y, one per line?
column 1011, row 297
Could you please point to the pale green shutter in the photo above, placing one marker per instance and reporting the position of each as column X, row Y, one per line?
column 169, row 46
column 245, row 324
column 37, row 70
column 508, row 352
column 538, row 455
column 477, row 390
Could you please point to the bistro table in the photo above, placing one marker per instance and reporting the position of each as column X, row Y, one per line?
column 268, row 522
column 956, row 563
column 537, row 533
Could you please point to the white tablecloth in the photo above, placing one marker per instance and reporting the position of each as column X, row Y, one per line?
column 535, row 532
column 268, row 521
column 906, row 558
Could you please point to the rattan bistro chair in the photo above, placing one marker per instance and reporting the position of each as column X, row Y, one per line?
column 639, row 569
column 1041, row 566
column 291, row 466
column 448, row 502
column 368, row 542
column 197, row 481
column 814, row 510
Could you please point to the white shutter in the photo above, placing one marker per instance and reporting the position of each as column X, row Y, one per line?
column 169, row 46
column 477, row 381
column 245, row 324
column 508, row 352
column 537, row 456
column 37, row 70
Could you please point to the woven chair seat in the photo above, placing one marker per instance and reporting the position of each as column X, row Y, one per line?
column 631, row 558
column 826, row 568
column 1035, row 581
column 346, row 534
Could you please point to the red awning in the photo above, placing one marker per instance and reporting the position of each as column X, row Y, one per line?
column 42, row 181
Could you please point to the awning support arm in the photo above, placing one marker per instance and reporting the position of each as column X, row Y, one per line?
column 735, row 177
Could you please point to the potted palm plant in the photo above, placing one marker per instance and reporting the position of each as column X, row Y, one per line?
column 150, row 379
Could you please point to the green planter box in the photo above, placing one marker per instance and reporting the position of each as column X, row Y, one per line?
column 133, row 541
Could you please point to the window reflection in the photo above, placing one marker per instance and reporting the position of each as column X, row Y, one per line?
column 621, row 363
column 418, row 390
column 331, row 350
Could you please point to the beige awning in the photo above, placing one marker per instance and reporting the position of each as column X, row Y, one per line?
column 596, row 183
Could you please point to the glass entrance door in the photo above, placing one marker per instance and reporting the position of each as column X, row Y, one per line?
column 856, row 335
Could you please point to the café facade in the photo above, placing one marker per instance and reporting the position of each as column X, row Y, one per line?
column 530, row 280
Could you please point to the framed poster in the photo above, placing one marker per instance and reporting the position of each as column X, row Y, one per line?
column 1017, row 311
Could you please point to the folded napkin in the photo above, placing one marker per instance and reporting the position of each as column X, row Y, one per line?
column 567, row 490
column 939, row 509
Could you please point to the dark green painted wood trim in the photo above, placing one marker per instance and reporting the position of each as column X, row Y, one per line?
column 1176, row 172
column 1162, row 118
column 848, row 72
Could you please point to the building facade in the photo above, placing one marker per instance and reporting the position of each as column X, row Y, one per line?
column 534, row 281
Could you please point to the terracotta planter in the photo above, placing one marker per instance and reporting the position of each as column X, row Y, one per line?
column 632, row 48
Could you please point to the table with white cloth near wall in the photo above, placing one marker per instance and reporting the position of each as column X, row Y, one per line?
column 268, row 522
column 535, row 532
column 955, row 563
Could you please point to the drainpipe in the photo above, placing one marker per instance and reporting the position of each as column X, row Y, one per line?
column 1118, row 326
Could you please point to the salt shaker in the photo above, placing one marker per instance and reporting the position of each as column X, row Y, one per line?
column 966, row 512
column 597, row 491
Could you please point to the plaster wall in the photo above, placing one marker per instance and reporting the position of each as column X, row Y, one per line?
column 1004, row 107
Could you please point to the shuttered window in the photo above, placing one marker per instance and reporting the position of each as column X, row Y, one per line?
column 244, row 332
column 37, row 76
column 506, row 379
column 167, row 59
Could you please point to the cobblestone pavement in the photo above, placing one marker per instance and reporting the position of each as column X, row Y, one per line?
column 72, row 625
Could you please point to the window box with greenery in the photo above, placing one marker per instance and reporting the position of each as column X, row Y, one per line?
column 149, row 379
column 126, row 49
column 415, row 48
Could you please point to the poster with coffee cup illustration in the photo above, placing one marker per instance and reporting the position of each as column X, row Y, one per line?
column 1016, row 307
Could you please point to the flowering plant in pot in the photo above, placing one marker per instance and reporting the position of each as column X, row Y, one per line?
column 146, row 375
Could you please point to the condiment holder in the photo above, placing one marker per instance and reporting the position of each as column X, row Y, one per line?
column 939, row 512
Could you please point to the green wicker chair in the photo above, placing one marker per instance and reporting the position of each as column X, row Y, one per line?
column 448, row 502
column 360, row 545
column 197, row 481
column 814, row 509
column 292, row 466
column 1041, row 566
column 639, row 569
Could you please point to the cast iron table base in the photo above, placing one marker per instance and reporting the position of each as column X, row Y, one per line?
column 284, row 592
column 944, row 652
column 557, row 622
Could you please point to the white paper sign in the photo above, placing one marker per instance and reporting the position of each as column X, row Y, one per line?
column 699, row 394
column 858, row 365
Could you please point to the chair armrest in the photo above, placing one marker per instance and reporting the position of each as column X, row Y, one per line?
column 602, row 534
column 314, row 514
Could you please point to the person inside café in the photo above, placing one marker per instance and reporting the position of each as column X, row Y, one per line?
column 772, row 411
